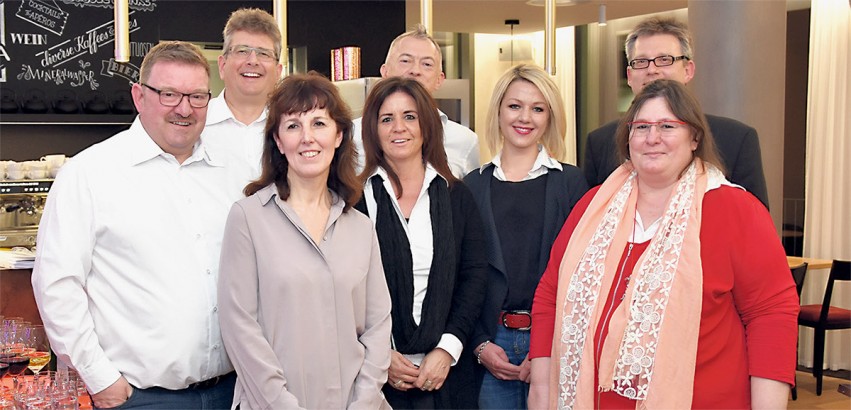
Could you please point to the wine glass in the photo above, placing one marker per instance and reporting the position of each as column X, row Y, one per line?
column 37, row 348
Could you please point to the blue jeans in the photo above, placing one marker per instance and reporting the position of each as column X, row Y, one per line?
column 217, row 397
column 506, row 394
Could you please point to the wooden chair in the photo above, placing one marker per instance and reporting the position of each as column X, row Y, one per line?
column 825, row 317
column 799, row 273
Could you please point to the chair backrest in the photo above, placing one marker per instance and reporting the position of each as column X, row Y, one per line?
column 841, row 270
column 798, row 274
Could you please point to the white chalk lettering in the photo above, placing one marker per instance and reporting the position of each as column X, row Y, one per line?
column 59, row 76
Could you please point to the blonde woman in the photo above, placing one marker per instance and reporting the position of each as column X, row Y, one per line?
column 524, row 196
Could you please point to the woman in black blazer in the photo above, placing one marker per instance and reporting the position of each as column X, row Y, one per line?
column 432, row 247
column 524, row 195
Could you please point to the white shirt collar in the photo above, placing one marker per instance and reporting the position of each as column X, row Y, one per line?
column 218, row 111
column 543, row 163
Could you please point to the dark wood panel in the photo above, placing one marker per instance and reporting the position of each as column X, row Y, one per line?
column 16, row 295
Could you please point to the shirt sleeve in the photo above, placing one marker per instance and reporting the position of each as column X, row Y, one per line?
column 544, row 303
column 472, row 155
column 375, row 337
column 66, row 239
column 252, row 356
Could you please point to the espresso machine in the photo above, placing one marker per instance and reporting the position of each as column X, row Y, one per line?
column 21, row 205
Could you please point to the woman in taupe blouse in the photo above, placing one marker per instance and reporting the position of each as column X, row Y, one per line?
column 304, row 306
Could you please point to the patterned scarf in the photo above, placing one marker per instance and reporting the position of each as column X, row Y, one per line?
column 650, row 351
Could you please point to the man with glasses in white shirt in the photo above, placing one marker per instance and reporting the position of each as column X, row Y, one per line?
column 250, row 67
column 662, row 48
column 127, row 261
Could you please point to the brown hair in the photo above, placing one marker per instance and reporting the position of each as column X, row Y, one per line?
column 175, row 52
column 684, row 106
column 659, row 25
column 255, row 21
column 430, row 127
column 300, row 93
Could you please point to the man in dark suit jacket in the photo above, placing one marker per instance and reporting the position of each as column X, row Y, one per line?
column 661, row 48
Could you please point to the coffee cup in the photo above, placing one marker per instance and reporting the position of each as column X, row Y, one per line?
column 15, row 174
column 54, row 160
column 14, row 166
column 36, row 173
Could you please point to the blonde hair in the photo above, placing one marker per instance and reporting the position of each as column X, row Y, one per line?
column 175, row 52
column 553, row 137
column 254, row 21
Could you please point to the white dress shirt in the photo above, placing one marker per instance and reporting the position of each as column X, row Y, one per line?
column 418, row 230
column 543, row 164
column 245, row 140
column 461, row 145
column 127, row 262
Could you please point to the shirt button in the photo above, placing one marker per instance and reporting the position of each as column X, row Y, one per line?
column 197, row 236
column 209, row 272
column 215, row 308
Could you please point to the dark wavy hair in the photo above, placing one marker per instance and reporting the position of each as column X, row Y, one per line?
column 685, row 107
column 431, row 129
column 300, row 93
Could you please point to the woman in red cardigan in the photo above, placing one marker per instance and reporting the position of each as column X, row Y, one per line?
column 668, row 286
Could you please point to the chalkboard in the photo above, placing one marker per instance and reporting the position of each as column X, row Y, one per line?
column 57, row 64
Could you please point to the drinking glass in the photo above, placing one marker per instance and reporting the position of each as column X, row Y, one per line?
column 39, row 348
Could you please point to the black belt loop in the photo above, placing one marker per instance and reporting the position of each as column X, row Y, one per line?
column 206, row 384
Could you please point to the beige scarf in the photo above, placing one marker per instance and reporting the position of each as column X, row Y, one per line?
column 649, row 353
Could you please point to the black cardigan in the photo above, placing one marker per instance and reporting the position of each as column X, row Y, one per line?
column 564, row 189
column 471, row 266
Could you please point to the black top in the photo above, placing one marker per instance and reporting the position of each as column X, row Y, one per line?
column 738, row 146
column 563, row 189
column 519, row 217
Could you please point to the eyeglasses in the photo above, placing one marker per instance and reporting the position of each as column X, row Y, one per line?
column 243, row 52
column 642, row 128
column 173, row 98
column 661, row 61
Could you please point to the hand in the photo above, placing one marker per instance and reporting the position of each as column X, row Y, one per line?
column 526, row 370
column 402, row 373
column 114, row 395
column 433, row 370
column 496, row 361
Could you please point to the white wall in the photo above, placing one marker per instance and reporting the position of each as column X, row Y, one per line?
column 489, row 68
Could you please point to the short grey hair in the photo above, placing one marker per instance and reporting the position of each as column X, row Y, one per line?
column 660, row 25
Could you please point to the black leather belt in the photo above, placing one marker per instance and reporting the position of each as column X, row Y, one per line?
column 206, row 384
column 516, row 319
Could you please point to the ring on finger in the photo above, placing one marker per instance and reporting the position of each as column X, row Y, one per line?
column 398, row 383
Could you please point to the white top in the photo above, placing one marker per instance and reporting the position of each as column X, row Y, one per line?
column 461, row 145
column 245, row 140
column 127, row 262
column 418, row 230
column 543, row 164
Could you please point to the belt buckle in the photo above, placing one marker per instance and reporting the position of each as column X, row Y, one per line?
column 526, row 313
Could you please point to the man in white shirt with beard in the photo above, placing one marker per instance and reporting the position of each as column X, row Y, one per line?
column 416, row 55
column 250, row 67
column 127, row 264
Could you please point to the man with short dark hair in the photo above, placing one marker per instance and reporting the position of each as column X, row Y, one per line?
column 662, row 48
column 127, row 264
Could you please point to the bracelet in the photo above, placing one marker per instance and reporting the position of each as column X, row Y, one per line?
column 480, row 350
